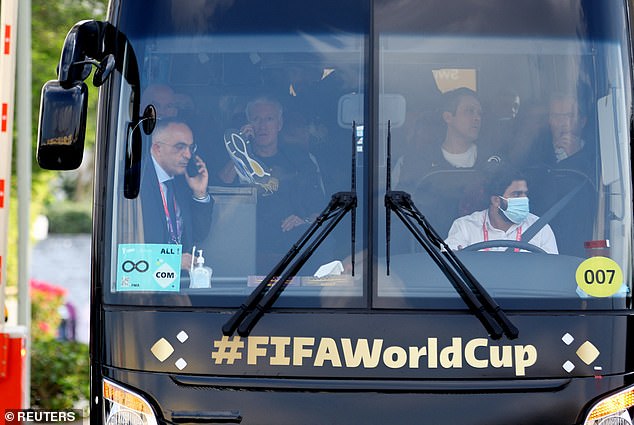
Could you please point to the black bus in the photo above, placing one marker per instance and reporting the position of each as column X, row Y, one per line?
column 355, row 212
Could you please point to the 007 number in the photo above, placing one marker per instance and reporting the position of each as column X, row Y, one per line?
column 599, row 277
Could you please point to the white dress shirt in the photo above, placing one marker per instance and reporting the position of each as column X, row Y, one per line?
column 476, row 227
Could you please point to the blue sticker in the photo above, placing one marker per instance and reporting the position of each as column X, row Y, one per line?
column 149, row 267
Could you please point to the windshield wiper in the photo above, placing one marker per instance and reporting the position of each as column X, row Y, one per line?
column 480, row 303
column 269, row 290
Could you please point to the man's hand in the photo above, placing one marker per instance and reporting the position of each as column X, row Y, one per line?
column 186, row 261
column 248, row 132
column 292, row 222
column 198, row 183
column 228, row 173
column 568, row 142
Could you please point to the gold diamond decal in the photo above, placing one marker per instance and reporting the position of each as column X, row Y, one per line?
column 588, row 352
column 162, row 349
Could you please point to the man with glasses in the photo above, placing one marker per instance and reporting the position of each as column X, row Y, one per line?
column 176, row 205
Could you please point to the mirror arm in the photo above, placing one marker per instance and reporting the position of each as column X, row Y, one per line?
column 83, row 42
column 95, row 43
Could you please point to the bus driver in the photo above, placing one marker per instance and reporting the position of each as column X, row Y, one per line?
column 506, row 218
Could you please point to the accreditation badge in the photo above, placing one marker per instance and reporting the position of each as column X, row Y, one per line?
column 149, row 267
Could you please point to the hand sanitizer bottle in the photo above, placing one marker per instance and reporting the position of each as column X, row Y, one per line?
column 201, row 275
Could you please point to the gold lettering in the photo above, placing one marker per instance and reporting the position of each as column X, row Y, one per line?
column 394, row 357
column 506, row 360
column 299, row 350
column 451, row 356
column 469, row 353
column 254, row 349
column 525, row 356
column 370, row 353
column 280, row 358
column 432, row 349
column 362, row 354
column 415, row 353
column 327, row 351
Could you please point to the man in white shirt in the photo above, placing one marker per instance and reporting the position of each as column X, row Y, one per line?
column 507, row 217
column 462, row 114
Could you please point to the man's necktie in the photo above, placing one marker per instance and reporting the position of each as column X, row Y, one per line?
column 170, row 199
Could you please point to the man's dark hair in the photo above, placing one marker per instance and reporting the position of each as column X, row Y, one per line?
column 501, row 178
column 163, row 123
column 451, row 99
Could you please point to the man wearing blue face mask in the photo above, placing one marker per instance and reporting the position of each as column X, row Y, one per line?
column 507, row 217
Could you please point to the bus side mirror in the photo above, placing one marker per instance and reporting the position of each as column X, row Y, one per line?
column 64, row 103
column 62, row 127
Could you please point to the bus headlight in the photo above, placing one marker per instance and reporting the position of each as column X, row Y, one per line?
column 124, row 407
column 615, row 409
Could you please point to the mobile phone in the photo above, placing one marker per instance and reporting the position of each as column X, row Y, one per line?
column 192, row 168
column 248, row 137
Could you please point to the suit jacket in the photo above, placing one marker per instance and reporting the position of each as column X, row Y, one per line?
column 196, row 216
column 575, row 223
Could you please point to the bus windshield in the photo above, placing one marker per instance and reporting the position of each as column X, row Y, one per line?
column 510, row 136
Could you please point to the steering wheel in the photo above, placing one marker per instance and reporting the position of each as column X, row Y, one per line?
column 502, row 243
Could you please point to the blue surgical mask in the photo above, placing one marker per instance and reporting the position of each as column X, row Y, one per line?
column 517, row 209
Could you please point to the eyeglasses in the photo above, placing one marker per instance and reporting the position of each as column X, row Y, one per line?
column 181, row 146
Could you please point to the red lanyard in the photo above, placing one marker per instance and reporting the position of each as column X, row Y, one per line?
column 485, row 232
column 175, row 234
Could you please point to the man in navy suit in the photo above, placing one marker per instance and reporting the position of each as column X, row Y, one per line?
column 176, row 206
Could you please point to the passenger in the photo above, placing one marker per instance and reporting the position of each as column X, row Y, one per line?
column 567, row 121
column 296, row 135
column 167, row 102
column 176, row 207
column 452, row 178
column 290, row 196
column 462, row 114
column 572, row 169
column 507, row 217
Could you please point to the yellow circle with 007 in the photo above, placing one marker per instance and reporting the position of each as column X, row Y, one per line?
column 599, row 277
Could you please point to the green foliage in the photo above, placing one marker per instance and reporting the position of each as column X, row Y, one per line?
column 59, row 374
column 69, row 217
